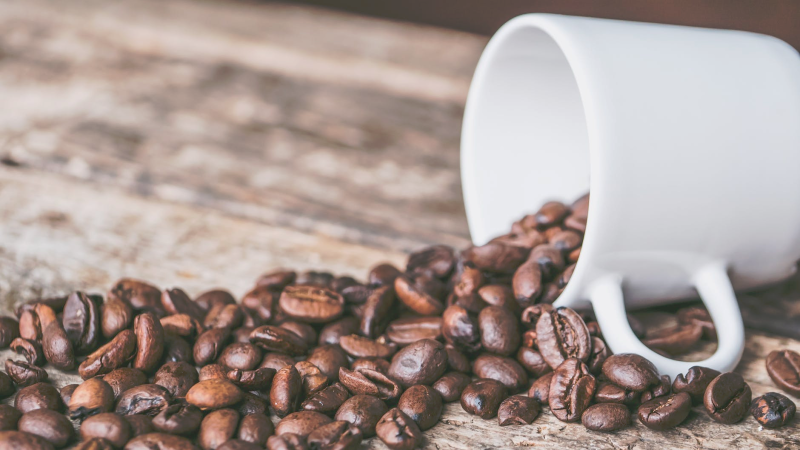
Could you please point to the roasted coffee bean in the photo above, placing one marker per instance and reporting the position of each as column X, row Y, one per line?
column 361, row 347
column 338, row 435
column 527, row 283
column 7, row 384
column 175, row 301
column 531, row 315
column 140, row 424
column 147, row 399
column 66, row 392
column 93, row 396
column 210, row 345
column 611, row 393
column 252, row 404
column 52, row 426
column 176, row 377
column 460, row 328
column 332, row 332
column 482, row 398
column 550, row 293
column 30, row 350
column 81, row 322
column 277, row 279
column 240, row 356
column 499, row 330
column 659, row 390
column 727, row 398
column 499, row 295
column 9, row 330
column 251, row 380
column 182, row 325
column 343, row 282
column 456, row 360
column 17, row 440
column 377, row 311
column 376, row 364
column 287, row 387
column 275, row 339
column 496, row 257
column 57, row 347
column 178, row 418
column 358, row 294
column 631, row 372
column 566, row 241
column 213, row 371
column 561, row 334
column 773, row 410
column 117, row 353
column 551, row 213
column 411, row 290
column 209, row 299
column 363, row 411
column 698, row 315
column 159, row 441
column 313, row 378
column 95, row 444
column 473, row 304
column 149, row 342
column 287, row 441
column 109, row 426
column 276, row 361
column 256, row 429
column 398, row 431
column 23, row 374
column 422, row 404
column 518, row 410
column 301, row 423
column 437, row 260
column 125, row 378
column 217, row 427
column 262, row 301
column 38, row 396
column 674, row 340
column 383, row 275
column 540, row 389
column 369, row 382
column 598, row 356
column 241, row 335
column 663, row 413
column 328, row 358
column 238, row 444
column 30, row 326
column 451, row 385
column 468, row 280
column 138, row 294
column 328, row 400
column 214, row 394
column 305, row 331
column 533, row 362
column 422, row 362
column 176, row 349
column 505, row 370
column 224, row 316
column 783, row 366
column 606, row 417
column 314, row 278
column 9, row 416
column 571, row 390
column 311, row 304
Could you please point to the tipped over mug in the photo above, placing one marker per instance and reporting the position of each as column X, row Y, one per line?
column 688, row 140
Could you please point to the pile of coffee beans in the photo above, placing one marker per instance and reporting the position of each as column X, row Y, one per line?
column 338, row 361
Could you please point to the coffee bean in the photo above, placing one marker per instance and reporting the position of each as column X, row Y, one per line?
column 149, row 342
column 178, row 418
column 81, row 322
column 551, row 213
column 411, row 290
column 93, row 396
column 176, row 349
column 210, row 344
column 287, row 387
column 496, row 257
column 783, row 366
column 238, row 444
column 422, row 362
column 176, row 377
column 9, row 416
column 376, row 364
column 598, row 356
column 531, row 315
column 241, row 335
column 504, row 370
column 276, row 361
column 262, row 301
column 773, row 410
column 109, row 426
column 217, row 427
column 209, row 299
column 38, row 396
column 460, row 328
column 338, row 435
column 468, row 279
column 313, row 378
column 328, row 358
column 66, row 392
column 674, row 340
column 659, row 390
column 311, row 304
column 383, row 275
column 240, row 356
column 630, row 371
column 115, row 354
column 550, row 293
column 30, row 326
column 147, row 399
column 498, row 295
column 52, row 426
column 377, row 311
column 451, row 385
column 606, row 417
column 663, row 413
column 314, row 278
column 422, row 404
column 610, row 393
column 533, row 362
column 275, row 339
column 698, row 315
column 176, row 301
column 369, row 382
column 23, row 374
column 7, row 384
column 125, row 378
column 159, row 441
column 95, row 444
column 252, row 404
column 411, row 329
column 139, row 294
column 305, row 331
column 277, row 279
column 357, row 295
column 182, row 325
column 301, row 423
column 30, row 350
column 456, row 360
column 255, row 428
column 482, row 397
column 438, row 260
column 361, row 347
column 518, row 410
column 540, row 389
column 499, row 330
column 332, row 332
column 727, row 398
column 287, row 441
column 17, row 440
column 398, row 431
column 561, row 334
column 214, row 394
column 57, row 347
column 363, row 411
column 571, row 390
column 140, row 424
column 328, row 400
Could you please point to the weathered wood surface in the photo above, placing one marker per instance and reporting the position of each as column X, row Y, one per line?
column 199, row 144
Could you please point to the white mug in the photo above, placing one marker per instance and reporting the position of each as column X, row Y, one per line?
column 687, row 138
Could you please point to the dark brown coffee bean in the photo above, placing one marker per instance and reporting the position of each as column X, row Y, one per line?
column 566, row 241
column 456, row 360
column 496, row 257
column 422, row 362
column 363, row 411
column 95, row 444
column 663, row 413
column 240, row 356
column 23, row 374
column 550, row 293
column 275, row 339
column 147, row 399
column 176, row 377
column 630, row 371
column 422, row 404
column 674, row 340
column 376, row 364
column 252, row 404
column 18, row 440
column 301, row 423
column 407, row 330
column 598, row 356
column 241, row 335
column 81, row 322
column 594, row 329
column 182, row 325
column 383, row 275
column 773, row 410
column 124, row 378
column 138, row 294
column 610, row 393
column 210, row 345
column 251, row 380
column 109, row 426
column 176, row 349
column 149, row 342
column 140, row 424
column 262, row 301
column 287, row 441
column 7, row 384
column 224, row 316
column 30, row 326
column 256, row 429
column 52, row 426
column 217, row 427
column 473, row 304
column 361, row 347
column 551, row 213
column 438, row 260
column 313, row 378
column 304, row 330
column 178, row 418
column 328, row 400
column 277, row 279
column 209, row 299
column 287, row 387
column 238, row 444
column 338, row 435
column 377, row 311
column 328, row 358
column 531, row 315
column 502, row 369
column 57, row 347
column 276, row 361
column 727, row 398
column 214, row 394
column 9, row 330
column 37, row 396
column 468, row 280
column 159, row 441
column 93, row 396
column 659, row 390
column 499, row 330
column 332, row 332
column 540, row 389
column 499, row 295
column 176, row 301
column 369, row 382
column 411, row 290
column 783, row 366
column 460, row 328
column 518, row 410
column 533, row 362
column 698, row 315
column 343, row 282
column 115, row 354
column 451, row 385
column 561, row 334
column 398, row 431
column 571, row 390
column 314, row 278
column 527, row 283
column 9, row 416
column 482, row 398
column 358, row 294
column 30, row 350
column 606, row 417
column 311, row 304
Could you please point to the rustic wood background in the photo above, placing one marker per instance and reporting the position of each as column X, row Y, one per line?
column 199, row 144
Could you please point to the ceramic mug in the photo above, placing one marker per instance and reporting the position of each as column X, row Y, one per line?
column 687, row 138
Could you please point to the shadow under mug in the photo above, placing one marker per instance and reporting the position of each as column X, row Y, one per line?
column 687, row 138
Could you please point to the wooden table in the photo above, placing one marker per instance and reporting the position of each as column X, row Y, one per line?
column 199, row 144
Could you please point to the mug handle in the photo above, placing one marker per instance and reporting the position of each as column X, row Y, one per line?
column 713, row 285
